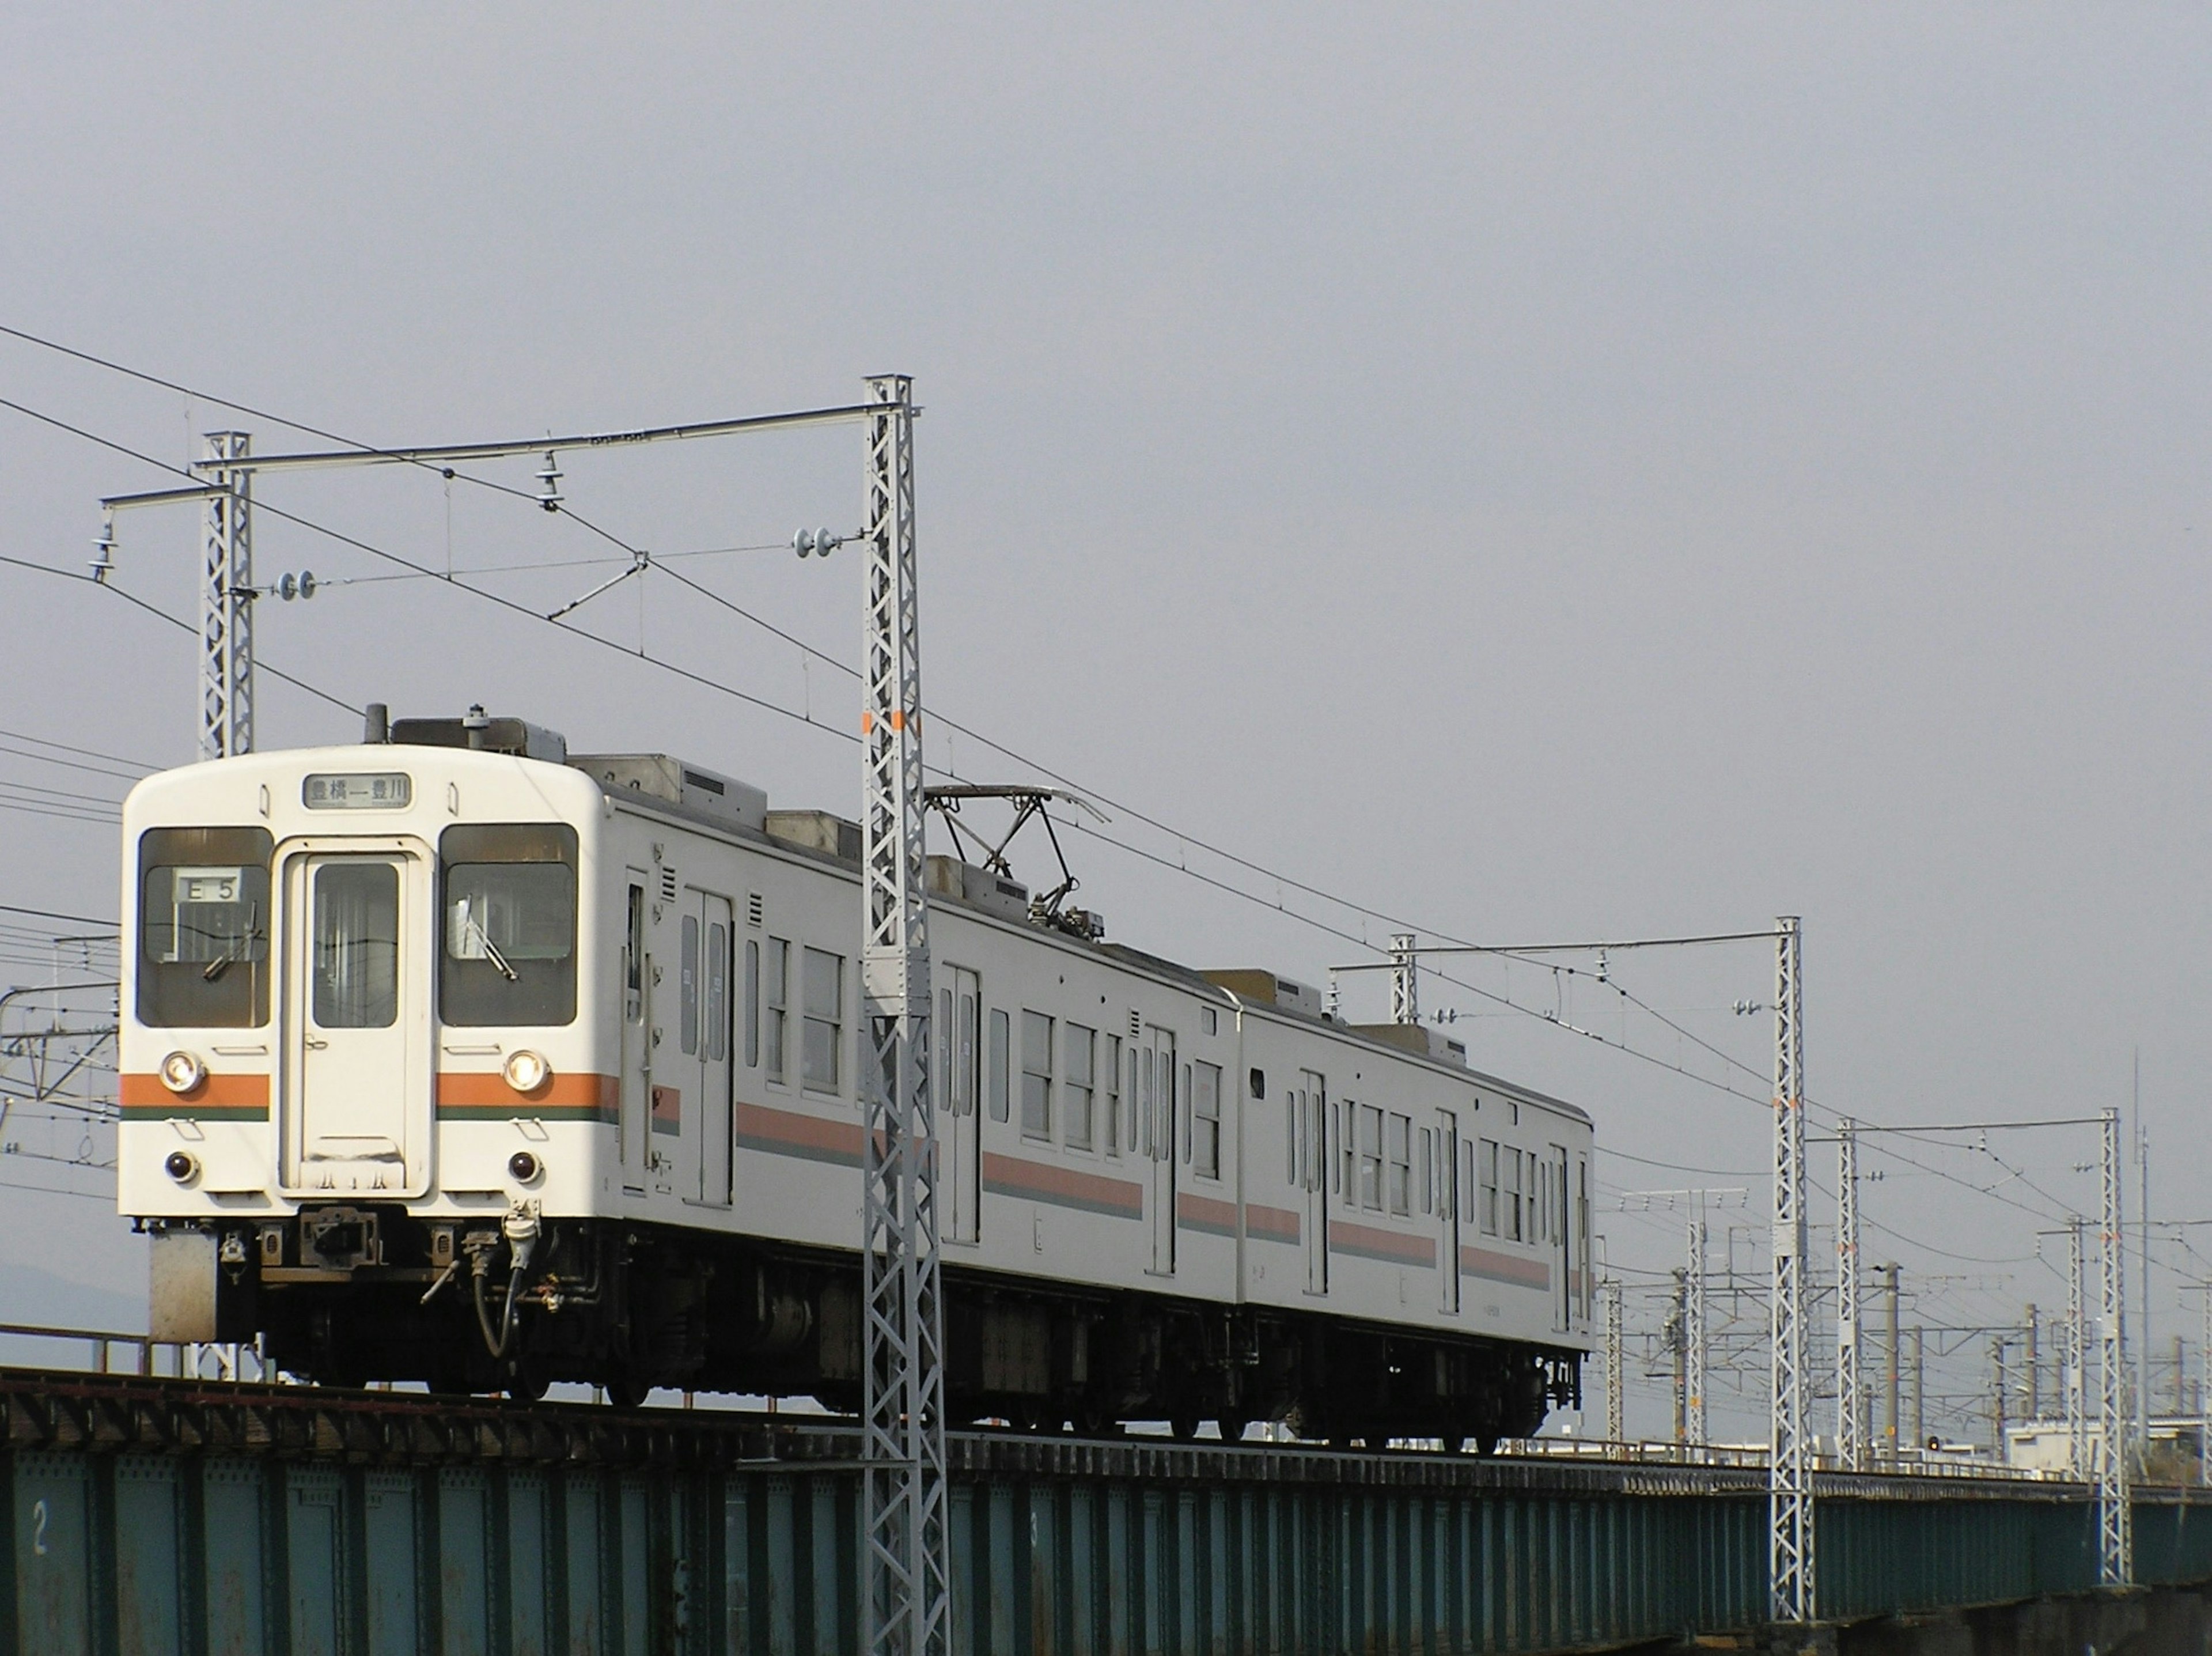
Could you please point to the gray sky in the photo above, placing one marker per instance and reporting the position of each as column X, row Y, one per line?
column 1545, row 472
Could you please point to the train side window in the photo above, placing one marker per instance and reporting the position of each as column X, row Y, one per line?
column 1036, row 1076
column 1205, row 1120
column 752, row 1003
column 717, row 1034
column 1486, row 1171
column 776, row 1016
column 1001, row 1057
column 204, row 927
column 687, row 975
column 508, row 894
column 1079, row 1052
column 1428, row 1180
column 824, row 990
column 1399, row 1144
column 1371, row 1156
column 634, row 953
column 1513, row 1195
column 1112, row 1122
column 1291, row 1120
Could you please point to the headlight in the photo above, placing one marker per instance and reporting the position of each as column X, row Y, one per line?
column 182, row 1071
column 523, row 1167
column 526, row 1071
column 181, row 1166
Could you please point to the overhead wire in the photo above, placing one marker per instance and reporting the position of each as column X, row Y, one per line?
column 1188, row 841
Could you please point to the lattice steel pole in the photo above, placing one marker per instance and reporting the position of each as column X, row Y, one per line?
column 1851, row 1421
column 227, row 603
column 1616, row 1382
column 2204, row 1395
column 2078, row 1458
column 1791, row 1597
column 1405, row 985
column 1693, row 1325
column 2115, row 1525
column 906, row 1512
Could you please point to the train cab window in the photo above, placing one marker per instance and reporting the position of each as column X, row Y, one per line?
column 1079, row 1047
column 1036, row 1076
column 1001, row 1055
column 509, row 895
column 1486, row 1182
column 777, row 1002
column 204, row 927
column 824, row 990
column 356, row 955
column 1205, row 1120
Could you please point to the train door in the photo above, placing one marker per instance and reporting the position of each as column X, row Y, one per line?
column 1311, row 1104
column 1446, row 1164
column 1562, row 1247
column 1157, row 1065
column 356, row 1059
column 636, row 1037
column 704, row 1026
column 959, row 1036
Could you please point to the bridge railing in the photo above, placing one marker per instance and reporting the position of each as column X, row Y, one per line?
column 109, row 1351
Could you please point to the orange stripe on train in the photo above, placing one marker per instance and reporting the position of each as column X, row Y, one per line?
column 484, row 1095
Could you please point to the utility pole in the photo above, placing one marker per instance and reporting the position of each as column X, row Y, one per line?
column 1679, row 1327
column 2115, row 1527
column 1998, row 1400
column 1919, row 1416
column 1791, row 1587
column 1850, row 1439
column 907, row 1512
column 2077, row 1353
column 1405, row 986
column 1694, row 1325
column 2204, row 1396
column 1894, row 1361
column 2034, row 1368
column 1616, row 1387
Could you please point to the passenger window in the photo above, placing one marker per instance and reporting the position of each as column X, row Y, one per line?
column 1486, row 1182
column 634, row 952
column 1036, row 1076
column 1205, row 1120
column 825, row 1017
column 1001, row 1041
column 689, row 978
column 1113, row 1126
column 1401, row 1165
column 204, row 927
column 752, row 1003
column 776, row 1016
column 718, row 993
column 1370, row 1157
column 1082, row 1046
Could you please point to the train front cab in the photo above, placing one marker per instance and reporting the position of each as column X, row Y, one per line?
column 352, row 1045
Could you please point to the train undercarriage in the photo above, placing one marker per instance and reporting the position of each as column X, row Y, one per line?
column 351, row 1294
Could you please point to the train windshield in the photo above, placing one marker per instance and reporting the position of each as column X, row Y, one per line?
column 509, row 899
column 204, row 927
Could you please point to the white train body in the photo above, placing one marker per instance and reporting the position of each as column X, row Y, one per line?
column 583, row 1036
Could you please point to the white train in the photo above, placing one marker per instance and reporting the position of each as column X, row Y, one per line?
column 462, row 1059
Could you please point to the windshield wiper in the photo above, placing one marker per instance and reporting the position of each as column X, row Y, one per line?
column 491, row 949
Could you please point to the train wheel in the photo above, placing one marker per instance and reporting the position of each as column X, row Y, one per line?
column 627, row 1392
column 1184, row 1427
column 1233, row 1427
